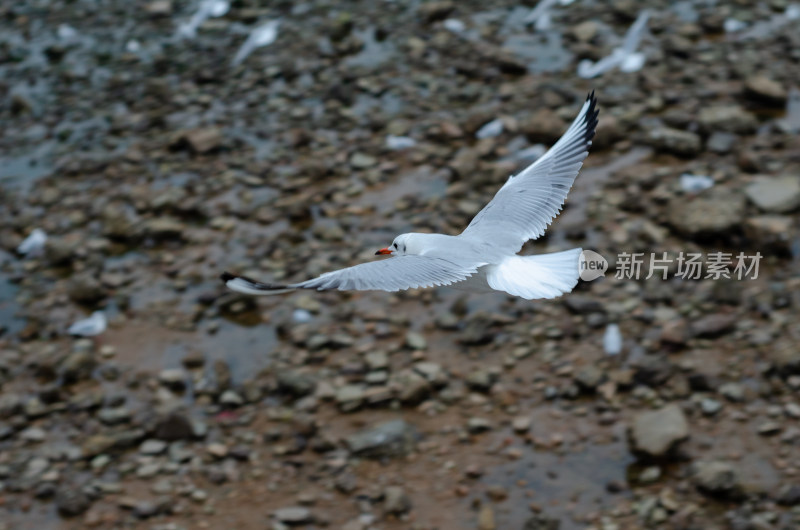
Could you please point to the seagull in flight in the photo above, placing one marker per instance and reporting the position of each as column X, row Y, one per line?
column 484, row 256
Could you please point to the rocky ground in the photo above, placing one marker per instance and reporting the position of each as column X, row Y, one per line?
column 153, row 165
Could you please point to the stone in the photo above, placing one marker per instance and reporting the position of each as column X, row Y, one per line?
column 33, row 434
column 721, row 142
column 174, row 378
column 203, row 140
column 727, row 118
column 350, row 397
column 432, row 372
column 710, row 407
column 717, row 479
column 650, row 474
column 770, row 231
column 174, row 426
column 114, row 415
column 541, row 522
column 708, row 214
column 79, row 364
column 85, row 288
column 675, row 141
column 583, row 305
column 396, row 501
column 543, row 126
column 297, row 384
column 377, row 360
column 732, row 392
column 789, row 495
column 714, row 325
column 387, row 440
column 652, row 370
column 409, row 386
column 97, row 444
column 589, row 377
column 434, row 11
column 656, row 433
column 71, row 500
column 675, row 332
column 153, row 447
column 521, row 424
column 158, row 8
column 294, row 515
column 481, row 380
column 775, row 194
column 476, row 425
column 785, row 358
column 766, row 90
column 415, row 341
column 585, row 31
column 769, row 428
column 362, row 161
column 231, row 398
column 486, row 518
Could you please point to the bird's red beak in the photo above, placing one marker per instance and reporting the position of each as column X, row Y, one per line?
column 383, row 251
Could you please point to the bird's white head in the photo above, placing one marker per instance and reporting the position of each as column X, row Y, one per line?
column 402, row 245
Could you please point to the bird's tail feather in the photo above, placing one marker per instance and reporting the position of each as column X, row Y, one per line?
column 540, row 276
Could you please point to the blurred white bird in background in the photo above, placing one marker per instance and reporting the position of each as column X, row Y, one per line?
column 263, row 35
column 207, row 9
column 625, row 57
column 33, row 245
column 89, row 327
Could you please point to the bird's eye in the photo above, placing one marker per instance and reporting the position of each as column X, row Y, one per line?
column 395, row 245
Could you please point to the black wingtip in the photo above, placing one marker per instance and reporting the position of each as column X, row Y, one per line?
column 591, row 116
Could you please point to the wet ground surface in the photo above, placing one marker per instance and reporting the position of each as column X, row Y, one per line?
column 153, row 164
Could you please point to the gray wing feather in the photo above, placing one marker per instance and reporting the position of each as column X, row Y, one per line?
column 528, row 202
column 393, row 274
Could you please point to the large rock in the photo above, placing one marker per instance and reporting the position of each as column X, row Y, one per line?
column 656, row 433
column 710, row 213
column 775, row 194
column 390, row 439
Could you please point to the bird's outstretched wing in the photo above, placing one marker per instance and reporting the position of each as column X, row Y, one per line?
column 393, row 274
column 527, row 203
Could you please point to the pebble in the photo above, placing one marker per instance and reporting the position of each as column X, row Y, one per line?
column 390, row 439
column 476, row 425
column 153, row 447
column 521, row 424
column 294, row 515
column 766, row 90
column 396, row 501
column 717, row 478
column 775, row 194
column 657, row 432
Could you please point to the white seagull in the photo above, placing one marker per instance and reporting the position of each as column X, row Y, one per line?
column 484, row 256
